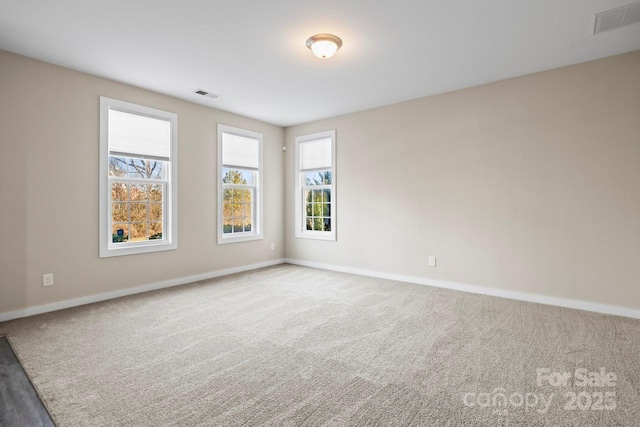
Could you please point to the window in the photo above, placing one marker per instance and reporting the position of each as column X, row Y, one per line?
column 138, row 173
column 316, row 186
column 240, row 185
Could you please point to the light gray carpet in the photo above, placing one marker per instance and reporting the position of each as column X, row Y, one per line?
column 290, row 345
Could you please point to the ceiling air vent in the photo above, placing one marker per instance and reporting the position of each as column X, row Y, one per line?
column 618, row 17
column 207, row 94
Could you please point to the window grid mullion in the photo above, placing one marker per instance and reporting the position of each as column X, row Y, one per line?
column 129, row 202
column 241, row 202
column 136, row 180
column 129, row 239
column 148, row 203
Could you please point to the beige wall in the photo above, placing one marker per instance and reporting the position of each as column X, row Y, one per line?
column 49, row 182
column 530, row 184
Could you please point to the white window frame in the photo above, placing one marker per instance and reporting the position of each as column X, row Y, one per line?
column 170, row 194
column 257, row 205
column 300, row 203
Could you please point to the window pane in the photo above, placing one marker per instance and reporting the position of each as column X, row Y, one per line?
column 227, row 227
column 317, row 178
column 238, row 226
column 311, row 178
column 138, row 211
column 327, row 224
column 307, row 196
column 135, row 168
column 138, row 231
column 119, row 212
column 227, row 201
column 119, row 191
column 309, row 224
column 155, row 212
column 154, row 170
column 309, row 209
column 247, row 224
column 119, row 233
column 326, row 195
column 145, row 169
column 238, row 210
column 138, row 192
column 155, row 230
column 317, row 224
column 117, row 166
column 327, row 177
column 326, row 209
column 238, row 176
column 247, row 210
column 155, row 193
column 227, row 208
column 307, row 178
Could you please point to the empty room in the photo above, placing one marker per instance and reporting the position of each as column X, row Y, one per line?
column 334, row 213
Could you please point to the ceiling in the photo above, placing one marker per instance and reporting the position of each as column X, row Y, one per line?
column 253, row 53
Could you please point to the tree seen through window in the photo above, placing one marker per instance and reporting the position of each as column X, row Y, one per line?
column 136, row 201
column 317, row 191
column 237, row 206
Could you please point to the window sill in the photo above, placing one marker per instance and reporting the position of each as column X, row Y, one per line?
column 319, row 236
column 236, row 239
column 138, row 249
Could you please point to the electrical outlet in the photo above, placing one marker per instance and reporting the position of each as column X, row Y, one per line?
column 47, row 279
column 432, row 261
column 273, row 246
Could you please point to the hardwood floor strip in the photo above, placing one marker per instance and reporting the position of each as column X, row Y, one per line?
column 19, row 403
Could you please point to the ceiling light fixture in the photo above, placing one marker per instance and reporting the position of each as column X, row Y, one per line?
column 324, row 45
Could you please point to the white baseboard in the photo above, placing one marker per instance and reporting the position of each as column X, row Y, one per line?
column 39, row 309
column 501, row 293
column 521, row 296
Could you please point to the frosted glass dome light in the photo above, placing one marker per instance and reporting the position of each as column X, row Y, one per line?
column 324, row 45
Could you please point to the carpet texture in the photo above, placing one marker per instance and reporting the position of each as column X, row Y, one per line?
column 289, row 345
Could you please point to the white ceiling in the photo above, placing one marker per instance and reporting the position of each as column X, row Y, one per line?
column 253, row 53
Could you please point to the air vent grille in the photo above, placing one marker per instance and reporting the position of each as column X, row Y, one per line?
column 207, row 94
column 616, row 18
